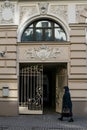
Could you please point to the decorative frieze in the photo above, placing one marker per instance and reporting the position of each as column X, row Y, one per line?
column 8, row 8
column 43, row 52
column 44, row 8
column 59, row 11
column 7, row 12
column 27, row 11
column 81, row 13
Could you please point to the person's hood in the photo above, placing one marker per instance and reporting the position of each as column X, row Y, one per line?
column 66, row 88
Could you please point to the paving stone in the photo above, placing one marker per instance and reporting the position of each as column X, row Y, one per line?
column 42, row 122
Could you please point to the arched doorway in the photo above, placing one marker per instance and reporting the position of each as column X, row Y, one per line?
column 41, row 83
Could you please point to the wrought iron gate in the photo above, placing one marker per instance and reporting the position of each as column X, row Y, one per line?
column 30, row 87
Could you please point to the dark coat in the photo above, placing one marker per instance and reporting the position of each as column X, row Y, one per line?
column 67, row 103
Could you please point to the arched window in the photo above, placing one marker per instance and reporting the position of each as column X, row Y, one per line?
column 44, row 30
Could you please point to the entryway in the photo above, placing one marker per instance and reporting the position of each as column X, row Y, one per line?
column 40, row 87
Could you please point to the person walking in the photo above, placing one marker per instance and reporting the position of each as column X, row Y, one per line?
column 66, row 105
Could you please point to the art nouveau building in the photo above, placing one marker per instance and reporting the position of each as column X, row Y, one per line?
column 43, row 46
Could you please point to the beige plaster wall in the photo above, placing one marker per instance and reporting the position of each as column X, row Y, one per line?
column 8, row 70
column 78, row 69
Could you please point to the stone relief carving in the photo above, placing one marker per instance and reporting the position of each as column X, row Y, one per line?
column 59, row 10
column 42, row 53
column 7, row 12
column 27, row 11
column 81, row 13
column 43, row 6
column 31, row 10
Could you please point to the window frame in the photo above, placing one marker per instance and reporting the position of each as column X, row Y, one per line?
column 52, row 28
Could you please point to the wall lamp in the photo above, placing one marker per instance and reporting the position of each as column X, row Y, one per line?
column 2, row 53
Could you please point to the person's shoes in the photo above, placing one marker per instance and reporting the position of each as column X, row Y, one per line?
column 61, row 119
column 71, row 120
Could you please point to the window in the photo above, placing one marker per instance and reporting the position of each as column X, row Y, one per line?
column 44, row 30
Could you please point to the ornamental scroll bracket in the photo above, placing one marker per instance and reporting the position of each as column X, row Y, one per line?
column 43, row 52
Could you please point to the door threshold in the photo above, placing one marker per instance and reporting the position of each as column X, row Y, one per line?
column 25, row 110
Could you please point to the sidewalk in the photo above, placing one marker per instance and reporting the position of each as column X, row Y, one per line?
column 41, row 122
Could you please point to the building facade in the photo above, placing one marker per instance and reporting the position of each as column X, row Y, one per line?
column 43, row 47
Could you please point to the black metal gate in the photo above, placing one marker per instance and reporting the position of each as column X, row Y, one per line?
column 30, row 87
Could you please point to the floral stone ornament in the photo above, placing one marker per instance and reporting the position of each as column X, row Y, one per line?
column 7, row 9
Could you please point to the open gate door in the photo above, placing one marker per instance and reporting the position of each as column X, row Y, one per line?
column 31, row 89
column 61, row 81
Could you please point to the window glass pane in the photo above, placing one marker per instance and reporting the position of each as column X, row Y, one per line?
column 43, row 24
column 59, row 35
column 56, row 25
column 44, row 30
column 38, row 34
column 48, row 34
column 31, row 26
column 28, row 35
column 39, row 24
